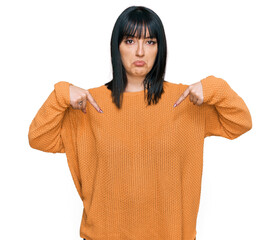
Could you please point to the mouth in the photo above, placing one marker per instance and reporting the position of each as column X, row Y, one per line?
column 139, row 63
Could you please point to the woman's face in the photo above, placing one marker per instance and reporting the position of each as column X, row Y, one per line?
column 142, row 50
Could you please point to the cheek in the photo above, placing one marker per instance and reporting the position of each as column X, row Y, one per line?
column 155, row 53
column 124, row 57
column 153, row 56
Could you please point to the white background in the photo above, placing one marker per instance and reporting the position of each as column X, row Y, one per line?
column 43, row 42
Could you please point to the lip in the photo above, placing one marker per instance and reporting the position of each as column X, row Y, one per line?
column 139, row 63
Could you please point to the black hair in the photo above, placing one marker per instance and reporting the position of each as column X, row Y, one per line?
column 132, row 20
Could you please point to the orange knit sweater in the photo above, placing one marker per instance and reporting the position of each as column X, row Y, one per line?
column 138, row 170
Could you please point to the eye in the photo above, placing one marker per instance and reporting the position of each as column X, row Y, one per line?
column 128, row 41
column 152, row 42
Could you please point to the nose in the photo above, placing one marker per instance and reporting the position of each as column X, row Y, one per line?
column 140, row 49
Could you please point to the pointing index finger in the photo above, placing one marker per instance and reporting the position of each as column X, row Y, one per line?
column 182, row 97
column 93, row 102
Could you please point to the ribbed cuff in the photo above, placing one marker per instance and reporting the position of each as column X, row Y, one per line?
column 63, row 93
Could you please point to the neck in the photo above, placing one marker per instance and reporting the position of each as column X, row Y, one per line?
column 134, row 84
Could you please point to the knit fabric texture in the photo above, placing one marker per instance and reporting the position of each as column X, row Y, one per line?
column 138, row 169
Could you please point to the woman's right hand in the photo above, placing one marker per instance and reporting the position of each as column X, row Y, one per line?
column 78, row 95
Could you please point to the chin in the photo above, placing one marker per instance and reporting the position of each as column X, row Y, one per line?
column 140, row 74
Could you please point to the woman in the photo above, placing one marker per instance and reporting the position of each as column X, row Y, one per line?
column 138, row 166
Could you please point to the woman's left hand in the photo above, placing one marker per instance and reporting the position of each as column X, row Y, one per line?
column 195, row 93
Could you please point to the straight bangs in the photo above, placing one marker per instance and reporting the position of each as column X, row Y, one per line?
column 134, row 28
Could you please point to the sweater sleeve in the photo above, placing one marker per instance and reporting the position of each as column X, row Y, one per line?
column 226, row 113
column 45, row 129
